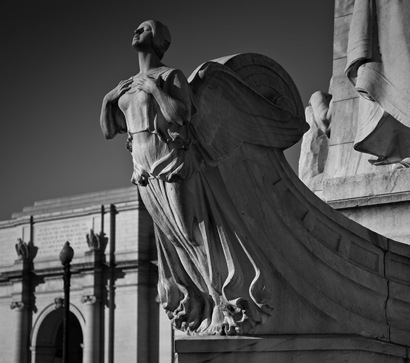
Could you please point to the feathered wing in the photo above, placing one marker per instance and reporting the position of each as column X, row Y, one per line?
column 213, row 269
column 230, row 112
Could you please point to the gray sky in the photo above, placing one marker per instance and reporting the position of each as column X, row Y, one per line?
column 59, row 59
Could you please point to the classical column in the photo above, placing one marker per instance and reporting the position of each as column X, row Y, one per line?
column 93, row 298
column 22, row 298
column 147, row 314
column 92, row 336
column 22, row 337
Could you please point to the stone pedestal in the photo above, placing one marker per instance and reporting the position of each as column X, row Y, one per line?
column 288, row 348
column 378, row 201
column 377, row 197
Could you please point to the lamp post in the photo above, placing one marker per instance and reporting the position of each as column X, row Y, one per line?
column 66, row 255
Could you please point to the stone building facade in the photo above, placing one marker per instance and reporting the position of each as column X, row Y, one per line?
column 114, row 313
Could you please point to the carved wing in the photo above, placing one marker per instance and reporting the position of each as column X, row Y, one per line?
column 245, row 98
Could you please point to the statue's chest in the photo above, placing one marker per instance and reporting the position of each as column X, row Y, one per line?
column 134, row 100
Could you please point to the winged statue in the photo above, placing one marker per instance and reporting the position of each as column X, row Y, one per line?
column 243, row 247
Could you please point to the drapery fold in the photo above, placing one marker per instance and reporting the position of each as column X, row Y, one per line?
column 378, row 64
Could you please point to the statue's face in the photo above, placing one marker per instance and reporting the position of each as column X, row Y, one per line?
column 142, row 36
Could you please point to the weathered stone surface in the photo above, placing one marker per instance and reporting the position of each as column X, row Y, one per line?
column 288, row 348
column 378, row 201
column 342, row 89
column 378, row 67
column 345, row 114
column 383, row 215
column 367, row 185
column 315, row 143
column 398, row 270
column 343, row 160
column 375, row 196
column 338, row 69
column 341, row 35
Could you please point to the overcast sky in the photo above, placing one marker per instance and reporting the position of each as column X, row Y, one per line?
column 59, row 58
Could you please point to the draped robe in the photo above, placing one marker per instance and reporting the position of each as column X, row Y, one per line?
column 204, row 247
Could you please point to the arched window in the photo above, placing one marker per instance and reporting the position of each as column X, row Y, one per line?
column 47, row 337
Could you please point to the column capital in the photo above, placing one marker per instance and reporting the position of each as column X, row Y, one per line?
column 58, row 302
column 88, row 299
column 26, row 251
column 96, row 242
column 17, row 305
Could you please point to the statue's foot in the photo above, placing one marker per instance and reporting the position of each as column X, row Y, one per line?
column 404, row 164
column 238, row 318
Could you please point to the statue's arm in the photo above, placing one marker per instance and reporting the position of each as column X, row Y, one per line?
column 112, row 120
column 174, row 100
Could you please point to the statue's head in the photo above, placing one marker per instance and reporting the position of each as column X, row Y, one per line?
column 161, row 37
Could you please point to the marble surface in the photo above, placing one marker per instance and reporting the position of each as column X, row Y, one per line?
column 374, row 196
column 343, row 160
column 378, row 67
column 288, row 348
column 370, row 185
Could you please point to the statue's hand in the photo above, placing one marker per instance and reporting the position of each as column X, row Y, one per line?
column 118, row 91
column 146, row 84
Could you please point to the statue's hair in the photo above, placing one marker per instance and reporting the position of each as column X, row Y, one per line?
column 161, row 36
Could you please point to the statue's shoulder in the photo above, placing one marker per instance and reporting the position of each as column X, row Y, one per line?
column 170, row 77
column 166, row 72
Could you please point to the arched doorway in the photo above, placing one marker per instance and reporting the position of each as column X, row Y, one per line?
column 48, row 344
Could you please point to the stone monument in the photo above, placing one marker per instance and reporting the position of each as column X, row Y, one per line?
column 251, row 263
column 364, row 179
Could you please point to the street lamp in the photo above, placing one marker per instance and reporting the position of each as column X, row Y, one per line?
column 66, row 255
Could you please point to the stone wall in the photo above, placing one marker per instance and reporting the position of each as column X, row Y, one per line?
column 113, row 283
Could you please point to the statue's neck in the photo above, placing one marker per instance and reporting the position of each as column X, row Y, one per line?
column 148, row 61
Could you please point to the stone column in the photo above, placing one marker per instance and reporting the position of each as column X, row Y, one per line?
column 147, row 306
column 147, row 314
column 93, row 298
column 22, row 303
column 22, row 336
column 92, row 336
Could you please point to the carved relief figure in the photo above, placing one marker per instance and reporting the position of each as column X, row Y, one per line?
column 315, row 143
column 22, row 249
column 378, row 63
column 186, row 140
column 95, row 241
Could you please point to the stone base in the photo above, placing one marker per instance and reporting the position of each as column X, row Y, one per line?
column 288, row 348
column 379, row 201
